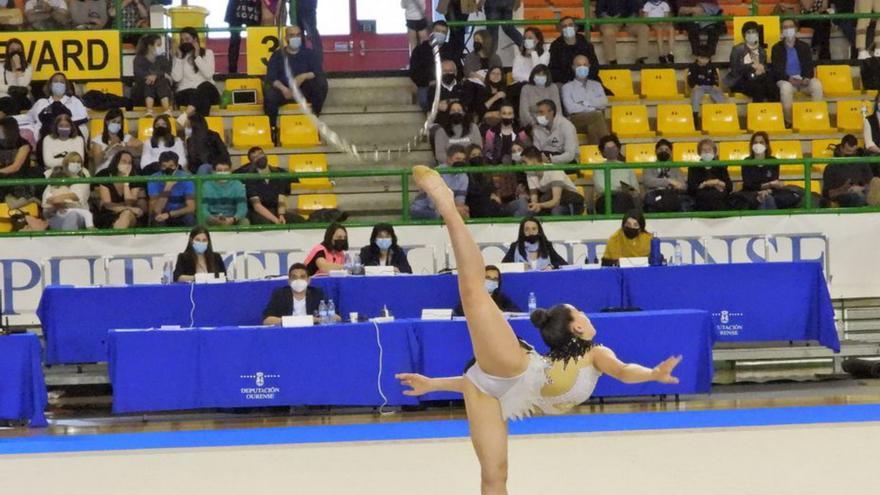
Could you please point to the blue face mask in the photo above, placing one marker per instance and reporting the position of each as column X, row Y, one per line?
column 384, row 244
column 59, row 88
column 295, row 42
column 531, row 247
column 200, row 247
column 582, row 71
column 438, row 37
column 540, row 80
column 491, row 286
column 569, row 31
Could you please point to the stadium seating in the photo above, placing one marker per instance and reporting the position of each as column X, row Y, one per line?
column 850, row 115
column 639, row 153
column 145, row 128
column 836, row 80
column 620, row 82
column 216, row 124
column 109, row 87
column 6, row 216
column 811, row 117
column 251, row 131
column 675, row 121
column 297, row 131
column 316, row 162
column 785, row 150
column 720, row 119
column 659, row 84
column 589, row 154
column 733, row 150
column 310, row 203
column 766, row 117
column 630, row 121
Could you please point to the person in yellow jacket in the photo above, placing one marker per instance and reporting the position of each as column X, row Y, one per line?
column 630, row 241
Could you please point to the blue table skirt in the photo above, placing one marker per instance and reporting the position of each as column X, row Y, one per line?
column 156, row 370
column 646, row 338
column 22, row 386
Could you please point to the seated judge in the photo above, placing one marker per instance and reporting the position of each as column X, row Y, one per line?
column 198, row 257
column 297, row 299
column 630, row 241
column 384, row 251
column 329, row 254
column 493, row 287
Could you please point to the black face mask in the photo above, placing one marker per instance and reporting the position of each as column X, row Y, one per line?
column 507, row 121
column 477, row 160
column 630, row 232
column 448, row 79
column 169, row 171
column 262, row 162
column 459, row 164
column 160, row 131
column 663, row 156
column 456, row 118
column 186, row 48
column 340, row 245
column 532, row 238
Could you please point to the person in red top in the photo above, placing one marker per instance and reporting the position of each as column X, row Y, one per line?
column 329, row 255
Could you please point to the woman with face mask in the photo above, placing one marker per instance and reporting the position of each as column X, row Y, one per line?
column 192, row 70
column 162, row 140
column 486, row 97
column 152, row 74
column 198, row 257
column 329, row 255
column 624, row 182
column 762, row 188
column 482, row 57
column 63, row 139
column 384, row 251
column 122, row 204
column 112, row 140
column 630, row 241
column 459, row 129
column 58, row 90
column 67, row 207
column 493, row 287
column 709, row 186
column 533, row 248
column 539, row 88
column 532, row 54
column 666, row 187
column 204, row 146
column 749, row 67
column 15, row 77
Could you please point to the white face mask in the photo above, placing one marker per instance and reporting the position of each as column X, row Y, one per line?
column 759, row 148
column 529, row 43
column 74, row 167
column 752, row 38
column 568, row 31
column 707, row 157
column 789, row 33
column 542, row 120
column 299, row 285
column 540, row 80
column 159, row 50
column 114, row 127
column 188, row 132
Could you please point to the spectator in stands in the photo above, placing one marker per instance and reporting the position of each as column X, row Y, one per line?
column 658, row 9
column 862, row 28
column 501, row 10
column 329, row 255
column 493, row 286
column 565, row 48
column 532, row 54
column 451, row 89
column 749, row 71
column 533, row 248
column 205, row 148
column 422, row 208
column 152, row 74
column 482, row 199
column 240, row 13
column 172, row 204
column 135, row 15
column 416, row 22
column 63, row 139
column 12, row 15
column 383, row 250
column 709, row 186
column 761, row 188
column 297, row 298
column 67, row 207
column 482, row 58
column 793, row 68
column 850, row 184
column 60, row 98
column 871, row 129
column 192, row 70
column 666, row 187
column 452, row 11
column 585, row 102
column 307, row 18
column 161, row 141
column 16, row 163
column 458, row 129
column 15, row 77
column 624, row 183
column 486, row 97
column 198, row 257
column 554, row 135
column 695, row 30
column 223, row 201
column 89, row 14
column 847, row 26
column 539, row 88
column 47, row 14
column 499, row 139
column 421, row 63
column 267, row 198
column 550, row 192
column 305, row 67
column 606, row 9
column 631, row 240
column 122, row 204
column 821, row 40
column 702, row 77
column 112, row 140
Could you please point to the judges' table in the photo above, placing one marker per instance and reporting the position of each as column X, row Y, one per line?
column 645, row 337
column 154, row 370
column 22, row 387
column 748, row 302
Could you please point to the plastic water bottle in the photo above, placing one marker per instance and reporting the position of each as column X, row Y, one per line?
column 322, row 312
column 533, row 302
column 331, row 311
column 677, row 258
column 167, row 273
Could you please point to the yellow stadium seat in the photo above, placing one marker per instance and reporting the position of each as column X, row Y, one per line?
column 640, row 153
column 811, row 117
column 822, row 148
column 313, row 162
column 630, row 121
column 675, row 121
column 6, row 216
column 297, row 131
column 766, row 117
column 733, row 150
column 109, row 87
column 720, row 119
column 770, row 25
column 658, row 84
column 310, row 203
column 145, row 128
column 786, row 150
column 849, row 115
column 620, row 82
column 251, row 131
column 685, row 152
column 836, row 80
column 589, row 154
column 216, row 125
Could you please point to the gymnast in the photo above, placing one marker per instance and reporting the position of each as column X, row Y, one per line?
column 509, row 379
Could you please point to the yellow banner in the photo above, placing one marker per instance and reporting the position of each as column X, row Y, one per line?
column 261, row 42
column 78, row 54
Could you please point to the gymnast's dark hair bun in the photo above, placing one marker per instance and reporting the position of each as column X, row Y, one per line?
column 539, row 317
